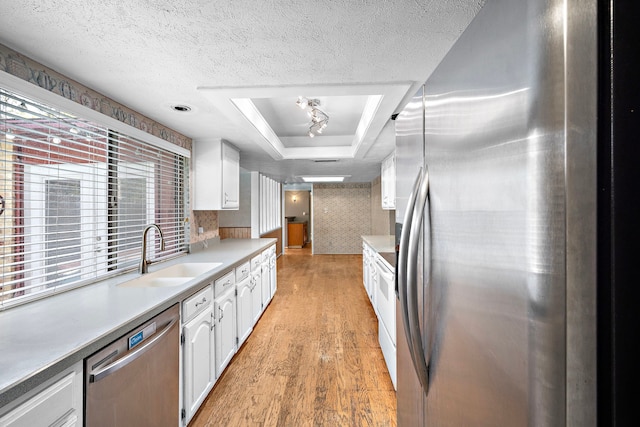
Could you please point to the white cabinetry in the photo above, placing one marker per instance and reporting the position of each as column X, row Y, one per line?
column 216, row 320
column 244, row 302
column 366, row 268
column 386, row 304
column 388, row 182
column 57, row 402
column 216, row 175
column 266, row 279
column 273, row 271
column 369, row 273
column 224, row 310
column 199, row 350
column 256, row 287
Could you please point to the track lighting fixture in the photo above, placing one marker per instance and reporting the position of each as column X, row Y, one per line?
column 319, row 119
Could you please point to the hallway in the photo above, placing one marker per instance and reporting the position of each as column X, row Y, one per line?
column 313, row 358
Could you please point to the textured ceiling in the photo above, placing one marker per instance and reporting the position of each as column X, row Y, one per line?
column 149, row 55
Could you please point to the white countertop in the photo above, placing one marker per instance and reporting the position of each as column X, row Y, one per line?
column 385, row 246
column 381, row 243
column 42, row 338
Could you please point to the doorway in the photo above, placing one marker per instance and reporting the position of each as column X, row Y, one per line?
column 298, row 202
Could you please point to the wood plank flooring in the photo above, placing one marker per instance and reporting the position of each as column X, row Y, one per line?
column 313, row 359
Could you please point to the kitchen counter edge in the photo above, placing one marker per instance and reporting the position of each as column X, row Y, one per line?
column 43, row 322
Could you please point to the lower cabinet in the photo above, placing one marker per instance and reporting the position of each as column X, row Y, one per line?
column 256, row 286
column 386, row 309
column 226, row 336
column 256, row 295
column 273, row 276
column 57, row 402
column 217, row 320
column 199, row 353
column 265, row 285
column 378, row 277
column 244, row 306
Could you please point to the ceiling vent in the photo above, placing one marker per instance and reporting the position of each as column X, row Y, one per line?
column 325, row 160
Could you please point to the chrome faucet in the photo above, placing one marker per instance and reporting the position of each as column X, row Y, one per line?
column 144, row 264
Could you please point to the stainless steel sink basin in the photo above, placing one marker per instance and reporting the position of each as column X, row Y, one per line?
column 174, row 275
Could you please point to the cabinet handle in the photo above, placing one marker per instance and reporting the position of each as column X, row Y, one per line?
column 227, row 200
column 213, row 321
column 221, row 314
column 204, row 300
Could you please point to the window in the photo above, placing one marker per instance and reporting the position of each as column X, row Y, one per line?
column 270, row 204
column 75, row 197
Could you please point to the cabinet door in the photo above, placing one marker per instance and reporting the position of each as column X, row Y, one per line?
column 230, row 177
column 391, row 181
column 226, row 337
column 216, row 175
column 256, row 295
column 56, row 402
column 199, row 360
column 373, row 282
column 388, row 182
column 266, row 287
column 245, row 309
column 273, row 275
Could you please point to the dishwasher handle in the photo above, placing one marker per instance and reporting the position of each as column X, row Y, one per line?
column 121, row 363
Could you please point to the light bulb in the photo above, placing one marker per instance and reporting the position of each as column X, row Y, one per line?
column 311, row 135
column 302, row 102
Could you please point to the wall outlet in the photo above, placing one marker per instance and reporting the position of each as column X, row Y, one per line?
column 200, row 230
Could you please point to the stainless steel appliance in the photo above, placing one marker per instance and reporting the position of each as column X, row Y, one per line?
column 496, row 270
column 134, row 380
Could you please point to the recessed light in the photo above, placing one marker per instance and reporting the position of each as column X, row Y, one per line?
column 181, row 108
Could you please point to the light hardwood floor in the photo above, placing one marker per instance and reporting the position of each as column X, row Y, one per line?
column 313, row 359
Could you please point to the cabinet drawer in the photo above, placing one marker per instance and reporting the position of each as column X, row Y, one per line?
column 255, row 263
column 55, row 405
column 224, row 283
column 265, row 255
column 196, row 303
column 243, row 271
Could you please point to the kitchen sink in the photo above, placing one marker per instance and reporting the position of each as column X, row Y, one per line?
column 174, row 275
column 187, row 269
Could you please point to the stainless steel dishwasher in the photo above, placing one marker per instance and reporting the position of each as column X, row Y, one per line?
column 134, row 380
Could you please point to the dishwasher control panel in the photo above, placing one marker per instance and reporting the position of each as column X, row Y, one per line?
column 137, row 338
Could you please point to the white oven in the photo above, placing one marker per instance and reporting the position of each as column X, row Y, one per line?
column 386, row 309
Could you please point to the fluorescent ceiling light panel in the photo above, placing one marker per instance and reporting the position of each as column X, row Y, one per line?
column 324, row 178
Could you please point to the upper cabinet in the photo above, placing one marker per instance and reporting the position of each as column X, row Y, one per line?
column 388, row 182
column 216, row 175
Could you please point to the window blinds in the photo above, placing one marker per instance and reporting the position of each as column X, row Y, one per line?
column 75, row 199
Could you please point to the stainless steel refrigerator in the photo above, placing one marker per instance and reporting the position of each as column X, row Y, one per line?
column 496, row 225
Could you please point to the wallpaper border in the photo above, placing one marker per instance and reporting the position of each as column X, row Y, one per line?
column 25, row 68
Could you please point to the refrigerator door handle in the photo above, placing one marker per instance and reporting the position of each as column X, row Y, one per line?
column 419, row 356
column 403, row 248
